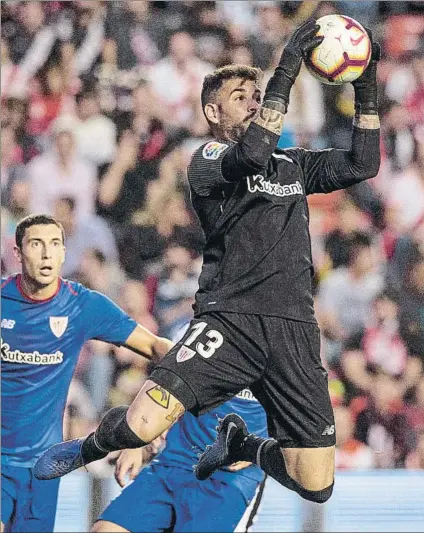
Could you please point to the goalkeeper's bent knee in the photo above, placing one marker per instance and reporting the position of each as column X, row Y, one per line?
column 267, row 455
column 317, row 496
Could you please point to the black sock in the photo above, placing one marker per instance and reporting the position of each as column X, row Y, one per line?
column 112, row 434
column 266, row 453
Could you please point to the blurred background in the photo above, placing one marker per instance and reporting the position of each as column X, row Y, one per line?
column 100, row 115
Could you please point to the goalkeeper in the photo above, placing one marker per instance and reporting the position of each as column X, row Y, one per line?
column 254, row 323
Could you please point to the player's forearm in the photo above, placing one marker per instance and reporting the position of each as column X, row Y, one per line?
column 147, row 344
column 252, row 153
column 338, row 169
column 365, row 153
column 263, row 134
column 364, row 161
column 161, row 347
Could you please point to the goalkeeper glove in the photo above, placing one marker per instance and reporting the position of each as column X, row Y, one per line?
column 366, row 90
column 300, row 44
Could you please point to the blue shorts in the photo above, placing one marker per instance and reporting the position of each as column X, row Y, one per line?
column 169, row 498
column 27, row 503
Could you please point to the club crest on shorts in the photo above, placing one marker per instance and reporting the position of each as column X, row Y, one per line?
column 213, row 150
column 58, row 325
column 184, row 354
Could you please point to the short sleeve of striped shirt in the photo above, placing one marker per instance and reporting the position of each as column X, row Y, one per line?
column 204, row 170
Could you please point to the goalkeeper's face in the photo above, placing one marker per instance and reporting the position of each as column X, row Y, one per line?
column 42, row 254
column 237, row 105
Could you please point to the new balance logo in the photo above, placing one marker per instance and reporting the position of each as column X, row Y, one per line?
column 329, row 430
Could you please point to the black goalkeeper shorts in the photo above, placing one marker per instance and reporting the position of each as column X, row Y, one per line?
column 278, row 359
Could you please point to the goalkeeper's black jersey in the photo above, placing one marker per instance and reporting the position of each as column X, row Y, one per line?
column 257, row 257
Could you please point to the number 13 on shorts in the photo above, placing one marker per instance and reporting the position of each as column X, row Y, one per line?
column 215, row 339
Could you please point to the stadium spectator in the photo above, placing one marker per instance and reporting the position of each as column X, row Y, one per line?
column 51, row 97
column 351, row 454
column 83, row 233
column 136, row 302
column 345, row 295
column 415, row 459
column 415, row 100
column 150, row 122
column 365, row 11
column 211, row 36
column 272, row 29
column 411, row 309
column 61, row 172
column 407, row 192
column 13, row 81
column 377, row 346
column 131, row 35
column 95, row 133
column 177, row 284
column 30, row 38
column 148, row 232
column 122, row 188
column 11, row 161
column 15, row 115
column 100, row 275
column 177, row 78
column 383, row 424
column 348, row 219
column 237, row 17
column 17, row 208
column 415, row 409
column 81, row 28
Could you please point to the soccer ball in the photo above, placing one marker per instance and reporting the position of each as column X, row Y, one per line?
column 344, row 53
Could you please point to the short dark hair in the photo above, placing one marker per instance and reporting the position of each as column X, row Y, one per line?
column 99, row 255
column 385, row 294
column 87, row 94
column 360, row 239
column 357, row 241
column 35, row 220
column 213, row 82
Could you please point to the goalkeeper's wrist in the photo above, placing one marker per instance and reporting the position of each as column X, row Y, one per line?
column 368, row 107
column 278, row 88
column 367, row 122
column 366, row 98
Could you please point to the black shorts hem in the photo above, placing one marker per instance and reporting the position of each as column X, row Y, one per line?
column 291, row 444
column 177, row 386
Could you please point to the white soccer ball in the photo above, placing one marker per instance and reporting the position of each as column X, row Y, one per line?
column 344, row 53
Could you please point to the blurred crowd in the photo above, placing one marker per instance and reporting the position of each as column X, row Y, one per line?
column 100, row 115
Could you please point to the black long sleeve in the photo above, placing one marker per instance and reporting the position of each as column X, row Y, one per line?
column 333, row 169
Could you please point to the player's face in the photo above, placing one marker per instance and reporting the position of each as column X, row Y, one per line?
column 238, row 103
column 42, row 254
